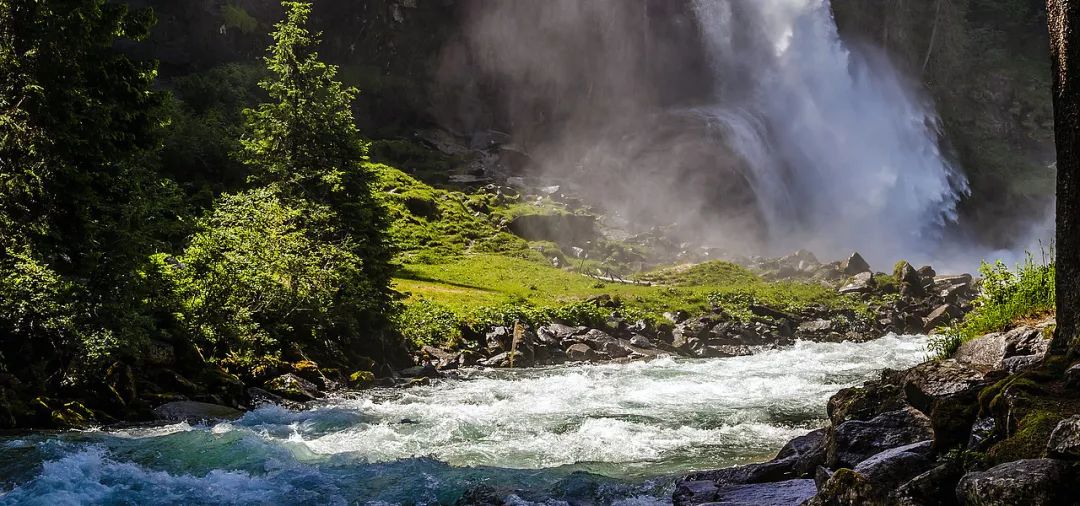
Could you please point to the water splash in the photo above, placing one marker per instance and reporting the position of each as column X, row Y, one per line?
column 845, row 156
column 600, row 434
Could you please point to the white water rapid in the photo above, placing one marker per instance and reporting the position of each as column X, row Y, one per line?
column 841, row 153
column 596, row 434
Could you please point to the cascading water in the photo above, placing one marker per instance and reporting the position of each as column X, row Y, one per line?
column 845, row 157
column 583, row 434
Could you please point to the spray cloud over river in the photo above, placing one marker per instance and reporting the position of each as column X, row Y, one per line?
column 605, row 433
column 751, row 125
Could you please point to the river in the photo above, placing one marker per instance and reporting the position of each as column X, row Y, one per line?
column 576, row 434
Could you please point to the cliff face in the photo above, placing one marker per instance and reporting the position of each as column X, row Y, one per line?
column 986, row 65
column 543, row 71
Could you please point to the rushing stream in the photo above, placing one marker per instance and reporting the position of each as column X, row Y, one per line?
column 583, row 434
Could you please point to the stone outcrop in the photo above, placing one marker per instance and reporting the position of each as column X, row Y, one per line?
column 973, row 429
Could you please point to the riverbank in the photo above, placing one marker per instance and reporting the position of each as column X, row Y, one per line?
column 995, row 423
column 582, row 433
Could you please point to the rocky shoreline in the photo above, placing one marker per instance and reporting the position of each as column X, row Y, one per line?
column 973, row 429
column 911, row 301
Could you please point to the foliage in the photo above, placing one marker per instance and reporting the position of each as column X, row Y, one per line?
column 425, row 323
column 1007, row 296
column 80, row 205
column 298, row 266
column 715, row 272
column 486, row 290
column 236, row 17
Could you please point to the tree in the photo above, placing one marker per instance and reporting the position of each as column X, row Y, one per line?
column 78, row 124
column 299, row 266
column 1064, row 22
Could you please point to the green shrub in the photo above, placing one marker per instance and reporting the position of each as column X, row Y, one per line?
column 427, row 323
column 1006, row 297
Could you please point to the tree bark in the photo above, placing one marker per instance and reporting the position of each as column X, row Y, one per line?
column 1064, row 21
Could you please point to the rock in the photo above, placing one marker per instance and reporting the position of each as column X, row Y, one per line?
column 855, row 264
column 641, row 341
column 863, row 282
column 1072, row 377
column 159, row 354
column 940, row 317
column 580, row 352
column 926, row 488
column 293, row 388
column 499, row 339
column 556, row 333
column 855, row 441
column 847, row 488
column 781, row 493
column 480, row 495
column 1065, row 440
column 419, row 371
column 890, row 468
column 819, row 326
column 768, row 312
column 690, row 492
column 1032, row 482
column 195, row 412
column 947, row 392
column 927, row 273
column 562, row 229
column 1011, row 351
column 866, row 402
column 443, row 360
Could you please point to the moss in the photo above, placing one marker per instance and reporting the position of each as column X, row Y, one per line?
column 361, row 379
column 1029, row 440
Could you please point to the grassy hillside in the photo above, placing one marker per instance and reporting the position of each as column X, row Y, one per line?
column 462, row 270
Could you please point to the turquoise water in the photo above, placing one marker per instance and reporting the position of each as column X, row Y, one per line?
column 586, row 434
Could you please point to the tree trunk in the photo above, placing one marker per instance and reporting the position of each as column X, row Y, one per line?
column 1064, row 21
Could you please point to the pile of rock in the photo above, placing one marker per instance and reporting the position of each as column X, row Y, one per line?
column 943, row 432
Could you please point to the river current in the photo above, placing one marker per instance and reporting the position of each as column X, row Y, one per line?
column 576, row 434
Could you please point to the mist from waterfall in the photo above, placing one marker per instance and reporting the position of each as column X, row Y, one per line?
column 841, row 155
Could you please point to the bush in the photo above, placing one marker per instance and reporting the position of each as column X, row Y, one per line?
column 426, row 323
column 1006, row 297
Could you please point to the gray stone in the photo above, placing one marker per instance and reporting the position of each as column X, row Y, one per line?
column 781, row 493
column 927, row 488
column 691, row 492
column 947, row 392
column 895, row 466
column 293, row 387
column 580, row 352
column 641, row 341
column 855, row 264
column 943, row 315
column 862, row 283
column 1065, row 440
column 191, row 411
column 855, row 441
column 1032, row 482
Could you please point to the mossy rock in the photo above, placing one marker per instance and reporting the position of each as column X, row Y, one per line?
column 361, row 379
column 1029, row 440
column 846, row 488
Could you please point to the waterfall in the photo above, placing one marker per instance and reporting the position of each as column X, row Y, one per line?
column 840, row 153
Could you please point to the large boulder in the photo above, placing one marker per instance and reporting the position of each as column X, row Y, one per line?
column 866, row 402
column 926, row 488
column 947, row 392
column 1031, row 482
column 781, row 493
column 890, row 468
column 854, row 441
column 855, row 264
column 580, row 352
column 1011, row 351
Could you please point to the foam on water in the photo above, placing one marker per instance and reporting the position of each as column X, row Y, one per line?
column 614, row 434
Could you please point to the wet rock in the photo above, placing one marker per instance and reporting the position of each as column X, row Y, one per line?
column 1065, row 440
column 480, row 495
column 845, row 488
column 855, row 441
column 419, row 371
column 890, row 468
column 691, row 492
column 580, row 352
column 808, row 450
column 867, row 401
column 195, row 412
column 293, row 388
column 855, row 264
column 947, row 392
column 781, row 493
column 1032, row 482
column 930, row 488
